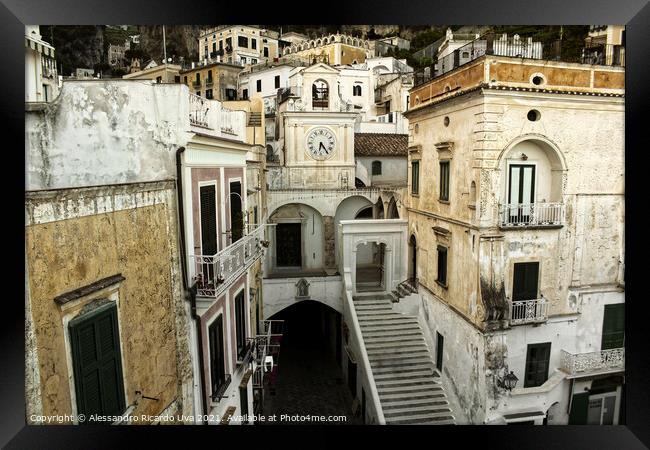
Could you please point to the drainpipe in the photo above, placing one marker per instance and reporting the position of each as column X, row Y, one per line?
column 189, row 290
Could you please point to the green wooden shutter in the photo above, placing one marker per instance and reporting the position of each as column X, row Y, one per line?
column 537, row 361
column 97, row 362
column 208, row 220
column 579, row 407
column 525, row 281
column 613, row 326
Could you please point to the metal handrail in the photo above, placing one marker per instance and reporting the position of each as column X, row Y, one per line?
column 349, row 304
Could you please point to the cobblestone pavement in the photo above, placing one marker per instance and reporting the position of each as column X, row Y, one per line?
column 309, row 382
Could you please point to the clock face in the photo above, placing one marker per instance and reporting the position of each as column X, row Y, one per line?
column 320, row 143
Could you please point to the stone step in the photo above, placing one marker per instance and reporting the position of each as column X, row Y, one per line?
column 387, row 317
column 399, row 359
column 373, row 307
column 388, row 324
column 387, row 405
column 404, row 348
column 371, row 301
column 371, row 297
column 364, row 313
column 400, row 400
column 409, row 389
column 401, row 368
column 412, row 410
column 370, row 344
column 408, row 382
column 433, row 417
column 404, row 375
column 401, row 396
column 399, row 334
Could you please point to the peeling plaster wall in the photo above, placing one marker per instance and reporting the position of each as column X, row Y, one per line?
column 93, row 233
column 106, row 132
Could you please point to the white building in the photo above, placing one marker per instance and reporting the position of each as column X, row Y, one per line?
column 41, row 76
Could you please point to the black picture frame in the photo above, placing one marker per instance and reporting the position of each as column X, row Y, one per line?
column 15, row 13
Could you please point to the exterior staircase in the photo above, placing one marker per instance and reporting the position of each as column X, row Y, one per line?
column 405, row 288
column 255, row 119
column 409, row 386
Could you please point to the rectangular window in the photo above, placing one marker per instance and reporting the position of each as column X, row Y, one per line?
column 243, row 60
column 220, row 45
column 245, row 94
column 242, row 41
column 236, row 212
column 277, row 81
column 444, row 181
column 259, row 85
column 537, row 358
column 524, row 282
column 217, row 357
column 208, row 220
column 613, row 327
column 253, row 61
column 266, row 52
column 97, row 362
column 240, row 323
column 208, row 93
column 442, row 265
column 415, row 177
column 214, row 47
column 253, row 43
column 209, row 80
column 231, row 94
column 376, row 167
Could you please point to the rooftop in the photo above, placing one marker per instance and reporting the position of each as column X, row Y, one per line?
column 380, row 144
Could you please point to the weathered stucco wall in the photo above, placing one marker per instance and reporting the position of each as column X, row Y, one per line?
column 106, row 132
column 76, row 237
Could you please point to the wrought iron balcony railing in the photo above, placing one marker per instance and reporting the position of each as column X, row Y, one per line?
column 612, row 360
column 213, row 274
column 218, row 395
column 531, row 215
column 528, row 311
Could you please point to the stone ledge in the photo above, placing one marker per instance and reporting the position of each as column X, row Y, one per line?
column 89, row 289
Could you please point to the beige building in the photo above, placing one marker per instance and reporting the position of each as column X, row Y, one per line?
column 333, row 49
column 162, row 73
column 107, row 331
column 215, row 80
column 516, row 215
column 238, row 44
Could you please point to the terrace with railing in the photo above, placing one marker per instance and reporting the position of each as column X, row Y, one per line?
column 214, row 273
column 589, row 363
column 520, row 46
column 531, row 215
column 528, row 311
column 210, row 117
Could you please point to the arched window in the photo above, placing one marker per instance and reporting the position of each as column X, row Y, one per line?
column 472, row 194
column 356, row 90
column 376, row 167
column 320, row 94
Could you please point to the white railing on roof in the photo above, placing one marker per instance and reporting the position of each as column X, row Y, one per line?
column 212, row 118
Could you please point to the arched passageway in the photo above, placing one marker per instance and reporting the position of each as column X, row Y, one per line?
column 310, row 377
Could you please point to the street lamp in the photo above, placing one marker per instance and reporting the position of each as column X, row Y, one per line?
column 509, row 381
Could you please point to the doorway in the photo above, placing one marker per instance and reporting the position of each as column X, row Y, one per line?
column 413, row 262
column 370, row 270
column 288, row 245
column 521, row 191
column 236, row 213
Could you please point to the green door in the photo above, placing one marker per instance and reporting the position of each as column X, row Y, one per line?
column 97, row 362
column 613, row 327
column 579, row 409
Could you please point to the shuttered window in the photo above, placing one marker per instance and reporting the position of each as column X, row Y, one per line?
column 240, row 320
column 537, row 359
column 525, row 281
column 208, row 220
column 376, row 167
column 415, row 177
column 444, row 180
column 613, row 327
column 97, row 363
column 442, row 265
column 217, row 360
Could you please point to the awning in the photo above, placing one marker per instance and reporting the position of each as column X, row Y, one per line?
column 40, row 46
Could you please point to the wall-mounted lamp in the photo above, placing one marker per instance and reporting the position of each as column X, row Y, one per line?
column 524, row 156
column 508, row 381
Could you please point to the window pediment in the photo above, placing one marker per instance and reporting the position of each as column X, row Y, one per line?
column 445, row 149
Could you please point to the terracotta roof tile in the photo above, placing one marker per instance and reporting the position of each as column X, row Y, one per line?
column 380, row 144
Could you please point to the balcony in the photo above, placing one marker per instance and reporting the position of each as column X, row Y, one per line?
column 209, row 82
column 519, row 215
column 198, row 111
column 592, row 363
column 196, row 84
column 213, row 274
column 528, row 311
